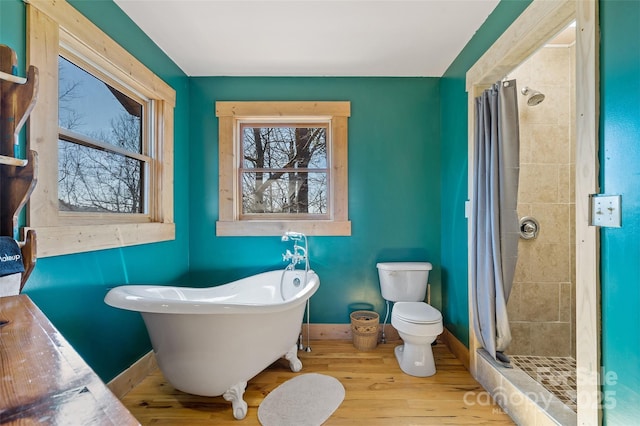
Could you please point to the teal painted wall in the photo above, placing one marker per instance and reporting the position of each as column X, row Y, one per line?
column 70, row 289
column 13, row 28
column 620, row 174
column 619, row 159
column 394, row 187
column 454, row 167
column 407, row 166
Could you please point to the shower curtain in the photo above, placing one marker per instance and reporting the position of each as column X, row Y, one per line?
column 495, row 228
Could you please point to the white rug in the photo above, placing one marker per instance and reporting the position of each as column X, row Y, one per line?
column 308, row 400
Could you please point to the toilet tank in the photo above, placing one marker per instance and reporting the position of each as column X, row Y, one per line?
column 404, row 281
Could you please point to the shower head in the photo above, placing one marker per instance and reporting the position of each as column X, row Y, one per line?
column 535, row 97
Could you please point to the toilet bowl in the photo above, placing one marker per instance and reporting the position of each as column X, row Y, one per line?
column 418, row 325
column 417, row 322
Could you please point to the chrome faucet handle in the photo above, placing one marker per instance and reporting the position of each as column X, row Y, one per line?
column 299, row 250
column 287, row 255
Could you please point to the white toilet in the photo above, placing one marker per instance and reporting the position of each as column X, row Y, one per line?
column 418, row 323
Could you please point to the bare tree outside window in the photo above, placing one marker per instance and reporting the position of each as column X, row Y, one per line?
column 284, row 169
column 100, row 162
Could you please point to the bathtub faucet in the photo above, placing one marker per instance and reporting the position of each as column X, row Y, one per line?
column 300, row 253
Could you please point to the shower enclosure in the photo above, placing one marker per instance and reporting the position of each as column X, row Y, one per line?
column 541, row 307
column 555, row 269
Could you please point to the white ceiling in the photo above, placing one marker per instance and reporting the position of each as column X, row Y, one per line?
column 310, row 37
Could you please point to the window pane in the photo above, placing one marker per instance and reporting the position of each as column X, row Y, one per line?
column 90, row 180
column 284, row 147
column 93, row 108
column 284, row 193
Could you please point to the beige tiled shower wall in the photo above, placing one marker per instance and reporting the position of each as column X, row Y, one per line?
column 541, row 307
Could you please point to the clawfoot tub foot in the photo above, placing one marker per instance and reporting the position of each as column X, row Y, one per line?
column 292, row 356
column 234, row 394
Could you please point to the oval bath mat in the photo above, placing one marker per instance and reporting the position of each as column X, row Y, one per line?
column 308, row 399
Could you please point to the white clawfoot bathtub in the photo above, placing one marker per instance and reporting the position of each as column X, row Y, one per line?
column 211, row 341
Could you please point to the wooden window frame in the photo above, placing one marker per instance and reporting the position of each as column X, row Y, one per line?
column 230, row 115
column 55, row 28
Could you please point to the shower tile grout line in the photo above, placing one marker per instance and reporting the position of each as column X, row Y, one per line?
column 556, row 374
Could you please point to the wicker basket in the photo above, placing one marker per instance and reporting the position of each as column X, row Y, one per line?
column 364, row 327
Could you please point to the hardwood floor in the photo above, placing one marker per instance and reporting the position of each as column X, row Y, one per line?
column 377, row 392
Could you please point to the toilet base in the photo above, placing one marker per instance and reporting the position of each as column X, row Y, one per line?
column 416, row 360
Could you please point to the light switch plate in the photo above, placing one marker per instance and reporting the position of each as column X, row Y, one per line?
column 605, row 211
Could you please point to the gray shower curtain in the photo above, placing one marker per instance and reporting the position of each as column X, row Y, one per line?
column 495, row 229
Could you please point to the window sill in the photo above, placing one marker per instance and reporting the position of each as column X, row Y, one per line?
column 59, row 240
column 272, row 228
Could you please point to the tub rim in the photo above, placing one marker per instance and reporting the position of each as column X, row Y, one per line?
column 135, row 297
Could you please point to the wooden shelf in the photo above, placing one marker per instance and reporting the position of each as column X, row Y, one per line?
column 18, row 96
column 43, row 377
column 11, row 161
column 13, row 78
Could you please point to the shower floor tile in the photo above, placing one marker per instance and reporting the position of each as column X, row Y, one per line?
column 556, row 374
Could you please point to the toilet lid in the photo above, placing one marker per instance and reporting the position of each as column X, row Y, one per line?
column 417, row 312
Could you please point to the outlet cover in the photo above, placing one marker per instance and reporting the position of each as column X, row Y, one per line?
column 605, row 211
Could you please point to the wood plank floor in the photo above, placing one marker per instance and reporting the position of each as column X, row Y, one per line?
column 377, row 392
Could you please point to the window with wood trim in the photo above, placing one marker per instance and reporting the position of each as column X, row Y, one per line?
column 107, row 182
column 102, row 148
column 283, row 166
